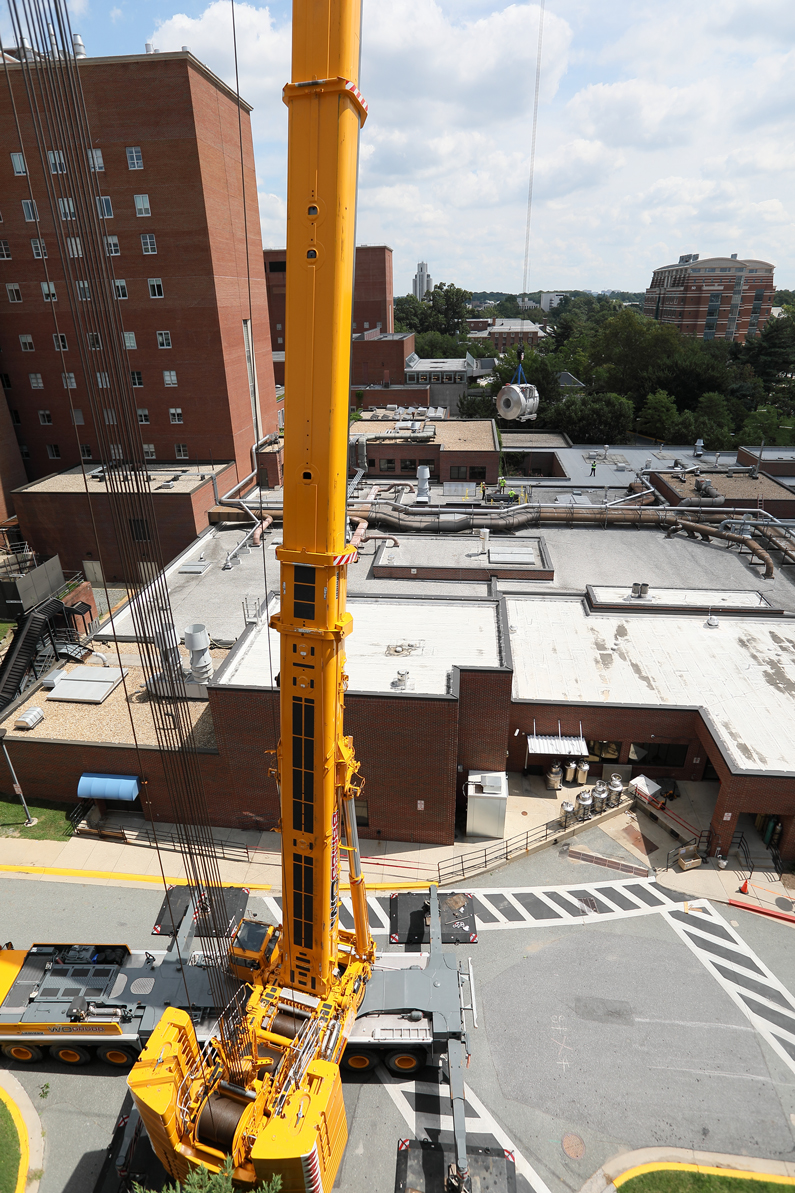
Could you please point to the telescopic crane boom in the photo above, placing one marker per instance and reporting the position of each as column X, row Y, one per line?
column 267, row 1091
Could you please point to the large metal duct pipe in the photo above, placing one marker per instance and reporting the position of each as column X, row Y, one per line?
column 698, row 529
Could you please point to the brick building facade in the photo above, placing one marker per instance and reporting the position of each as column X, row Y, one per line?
column 166, row 154
column 713, row 299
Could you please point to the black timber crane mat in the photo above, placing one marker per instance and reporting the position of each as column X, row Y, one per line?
column 422, row 1167
column 176, row 903
column 409, row 918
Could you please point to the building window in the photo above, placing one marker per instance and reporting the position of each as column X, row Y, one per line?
column 279, row 339
column 53, row 451
column 277, row 267
column 408, row 465
column 370, row 463
column 29, row 211
column 120, row 286
column 169, row 377
column 26, row 343
column 137, row 379
column 181, row 451
column 135, row 160
column 115, row 451
column 362, row 810
column 59, row 341
column 142, row 205
column 67, row 208
column 83, row 290
column 143, row 415
column 411, row 378
column 477, row 473
column 57, row 164
column 458, row 472
column 77, row 418
column 604, row 751
column 45, row 418
column 658, row 754
column 48, row 292
column 94, row 341
column 16, row 420
column 386, row 465
column 14, row 292
column 155, row 288
column 278, row 326
column 431, row 464
column 164, row 339
column 104, row 207
column 18, row 162
column 139, row 528
column 103, row 383
column 35, row 381
column 149, row 451
column 95, row 161
column 112, row 246
column 5, row 251
column 24, row 451
column 85, row 451
column 148, row 244
column 129, row 340
column 175, row 414
column 110, row 417
column 74, row 246
column 68, row 380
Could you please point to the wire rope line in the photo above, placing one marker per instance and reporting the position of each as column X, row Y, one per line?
column 59, row 125
column 533, row 152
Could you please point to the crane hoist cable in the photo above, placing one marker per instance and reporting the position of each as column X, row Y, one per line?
column 533, row 152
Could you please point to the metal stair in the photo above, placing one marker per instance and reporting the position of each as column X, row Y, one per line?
column 23, row 651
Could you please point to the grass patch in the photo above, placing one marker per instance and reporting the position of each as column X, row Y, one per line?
column 672, row 1181
column 9, row 1151
column 5, row 626
column 52, row 819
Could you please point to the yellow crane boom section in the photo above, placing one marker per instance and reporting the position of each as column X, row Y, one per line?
column 273, row 1100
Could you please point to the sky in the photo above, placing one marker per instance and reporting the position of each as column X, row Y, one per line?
column 663, row 128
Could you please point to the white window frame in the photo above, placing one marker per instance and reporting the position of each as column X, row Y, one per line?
column 120, row 289
column 136, row 384
column 14, row 292
column 56, row 160
column 103, row 381
column 30, row 211
column 181, row 451
column 143, row 415
column 68, row 380
column 5, row 250
column 164, row 339
column 66, row 206
column 112, row 248
column 74, row 246
column 77, row 417
column 148, row 244
column 175, row 415
column 110, row 417
column 129, row 341
column 60, row 342
column 36, row 381
column 19, row 165
column 170, row 378
column 155, row 284
column 104, row 207
column 26, row 342
column 48, row 292
column 45, row 418
column 53, row 451
column 83, row 288
column 94, row 340
column 96, row 161
column 135, row 159
column 85, row 452
column 149, row 451
column 142, row 208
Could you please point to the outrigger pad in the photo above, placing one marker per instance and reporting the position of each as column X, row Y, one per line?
column 234, row 901
column 409, row 918
column 422, row 1167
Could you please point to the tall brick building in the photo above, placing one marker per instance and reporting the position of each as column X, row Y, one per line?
column 719, row 298
column 165, row 145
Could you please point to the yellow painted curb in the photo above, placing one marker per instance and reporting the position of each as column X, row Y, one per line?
column 22, row 1132
column 668, row 1166
column 121, row 877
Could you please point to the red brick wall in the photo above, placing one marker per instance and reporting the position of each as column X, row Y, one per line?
column 490, row 460
column 187, row 129
column 12, row 470
column 396, row 395
column 484, row 716
column 373, row 288
column 781, row 506
column 372, row 359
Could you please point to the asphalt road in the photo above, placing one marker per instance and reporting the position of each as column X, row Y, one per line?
column 606, row 1035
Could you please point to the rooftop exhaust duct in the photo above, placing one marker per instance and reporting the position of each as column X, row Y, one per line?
column 197, row 641
column 78, row 47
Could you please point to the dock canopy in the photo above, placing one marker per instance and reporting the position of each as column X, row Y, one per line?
column 93, row 786
column 576, row 747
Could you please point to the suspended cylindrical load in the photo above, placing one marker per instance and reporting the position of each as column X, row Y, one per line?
column 566, row 814
column 615, row 790
column 582, row 770
column 517, row 401
column 554, row 777
column 584, row 805
column 571, row 770
column 197, row 641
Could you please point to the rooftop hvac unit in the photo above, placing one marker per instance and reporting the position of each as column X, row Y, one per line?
column 29, row 719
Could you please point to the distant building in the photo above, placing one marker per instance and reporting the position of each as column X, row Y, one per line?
column 423, row 282
column 373, row 308
column 525, row 304
column 551, row 300
column 452, row 450
column 569, row 383
column 506, row 333
column 448, row 379
column 719, row 298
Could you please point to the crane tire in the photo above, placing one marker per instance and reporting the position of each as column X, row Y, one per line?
column 116, row 1055
column 70, row 1054
column 360, row 1060
column 405, row 1062
column 23, row 1054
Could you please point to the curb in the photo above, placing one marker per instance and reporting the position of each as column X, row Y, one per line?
column 28, row 1125
column 119, row 876
column 622, row 1168
column 776, row 915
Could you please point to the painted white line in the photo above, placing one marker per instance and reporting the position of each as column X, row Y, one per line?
column 486, row 901
column 379, row 912
column 523, row 1165
column 686, row 1023
column 725, row 1076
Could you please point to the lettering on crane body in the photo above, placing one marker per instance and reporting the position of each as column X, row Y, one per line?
column 335, row 867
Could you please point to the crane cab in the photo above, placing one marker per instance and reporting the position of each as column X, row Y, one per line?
column 253, row 948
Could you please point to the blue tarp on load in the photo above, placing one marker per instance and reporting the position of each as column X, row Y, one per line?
column 93, row 786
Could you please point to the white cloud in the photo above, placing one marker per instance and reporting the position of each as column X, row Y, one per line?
column 661, row 130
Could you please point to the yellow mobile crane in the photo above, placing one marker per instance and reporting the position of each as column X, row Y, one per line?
column 267, row 1091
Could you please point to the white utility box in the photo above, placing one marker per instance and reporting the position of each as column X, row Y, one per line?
column 487, row 803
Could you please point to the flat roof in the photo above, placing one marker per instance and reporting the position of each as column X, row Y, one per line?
column 740, row 675
column 463, row 552
column 742, row 485
column 426, row 638
column 186, row 479
column 475, row 434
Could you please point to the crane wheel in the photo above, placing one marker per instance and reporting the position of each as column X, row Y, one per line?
column 23, row 1054
column 116, row 1055
column 403, row 1062
column 359, row 1060
column 70, row 1054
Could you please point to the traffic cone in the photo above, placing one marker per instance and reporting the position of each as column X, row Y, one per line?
column 744, row 888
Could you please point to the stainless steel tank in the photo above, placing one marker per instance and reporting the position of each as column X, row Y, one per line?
column 571, row 770
column 582, row 771
column 566, row 814
column 584, row 805
column 554, row 777
column 615, row 790
column 599, row 794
